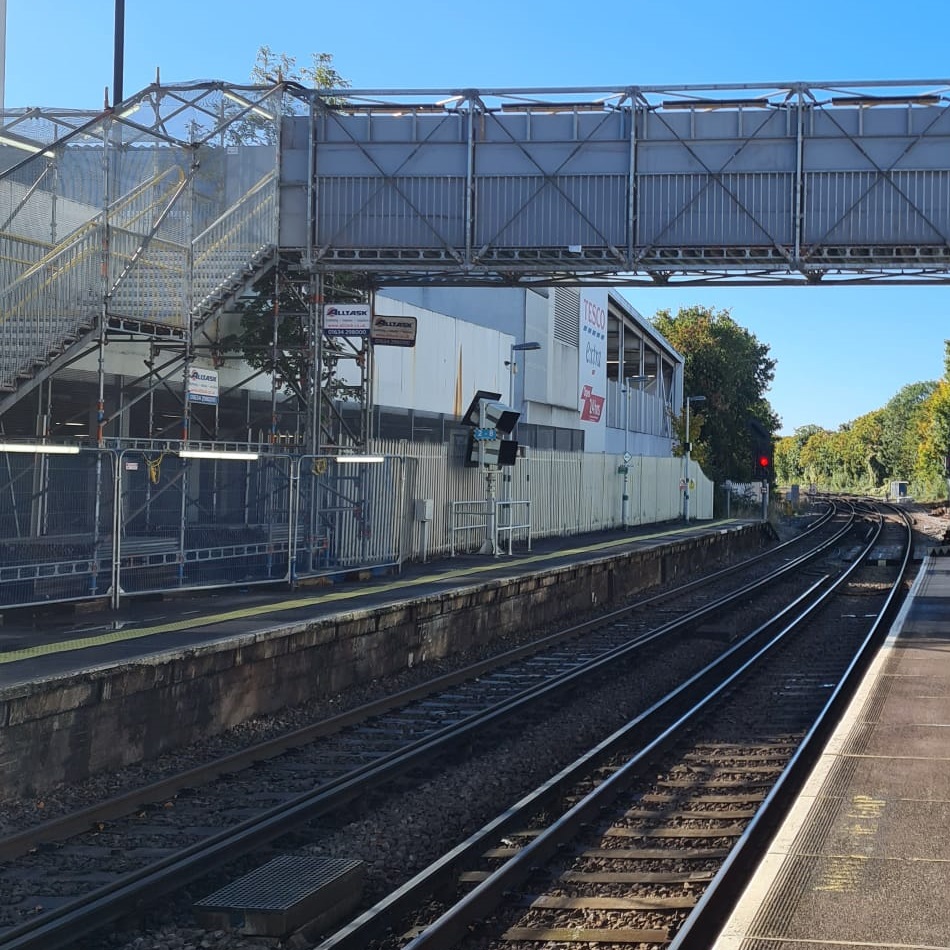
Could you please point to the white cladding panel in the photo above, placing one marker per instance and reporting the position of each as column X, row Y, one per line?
column 450, row 361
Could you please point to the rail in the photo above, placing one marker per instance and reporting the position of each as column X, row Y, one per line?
column 63, row 924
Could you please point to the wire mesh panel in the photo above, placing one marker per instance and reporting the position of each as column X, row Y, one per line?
column 202, row 522
column 348, row 514
column 56, row 525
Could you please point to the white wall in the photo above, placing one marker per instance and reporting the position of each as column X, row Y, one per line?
column 450, row 361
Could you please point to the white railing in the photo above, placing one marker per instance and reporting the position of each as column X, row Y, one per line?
column 59, row 296
column 228, row 245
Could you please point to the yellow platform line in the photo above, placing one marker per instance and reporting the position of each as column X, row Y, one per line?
column 244, row 613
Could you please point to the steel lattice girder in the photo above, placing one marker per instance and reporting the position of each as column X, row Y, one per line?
column 740, row 183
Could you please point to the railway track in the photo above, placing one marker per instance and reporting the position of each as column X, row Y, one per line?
column 647, row 840
column 184, row 827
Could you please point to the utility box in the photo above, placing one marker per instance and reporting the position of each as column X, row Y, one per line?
column 898, row 490
column 423, row 509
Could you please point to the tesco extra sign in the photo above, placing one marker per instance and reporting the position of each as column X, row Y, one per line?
column 595, row 315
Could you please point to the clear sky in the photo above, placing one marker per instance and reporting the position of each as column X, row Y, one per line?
column 841, row 351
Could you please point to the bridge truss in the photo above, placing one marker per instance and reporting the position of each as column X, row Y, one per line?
column 158, row 222
column 745, row 184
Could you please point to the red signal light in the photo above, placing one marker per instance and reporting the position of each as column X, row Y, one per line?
column 763, row 461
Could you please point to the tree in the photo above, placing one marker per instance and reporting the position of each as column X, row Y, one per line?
column 819, row 459
column 269, row 69
column 275, row 334
column 933, row 435
column 862, row 446
column 899, row 429
column 732, row 369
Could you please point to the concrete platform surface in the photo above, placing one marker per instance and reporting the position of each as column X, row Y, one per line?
column 60, row 640
column 863, row 861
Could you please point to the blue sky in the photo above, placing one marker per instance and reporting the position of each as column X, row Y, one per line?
column 841, row 351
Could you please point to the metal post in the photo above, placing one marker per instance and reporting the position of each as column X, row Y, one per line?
column 115, row 588
column 489, row 545
column 625, row 498
column 119, row 56
column 506, row 476
column 686, row 469
column 689, row 400
column 491, row 540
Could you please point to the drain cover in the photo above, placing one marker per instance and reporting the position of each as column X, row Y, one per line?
column 284, row 894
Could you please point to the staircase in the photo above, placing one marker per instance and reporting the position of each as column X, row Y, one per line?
column 56, row 302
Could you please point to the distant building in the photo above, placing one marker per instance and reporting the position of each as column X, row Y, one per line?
column 599, row 367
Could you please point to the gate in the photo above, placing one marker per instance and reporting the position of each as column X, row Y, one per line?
column 349, row 513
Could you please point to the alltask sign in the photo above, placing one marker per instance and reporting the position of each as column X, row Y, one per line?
column 203, row 385
column 393, row 331
column 346, row 319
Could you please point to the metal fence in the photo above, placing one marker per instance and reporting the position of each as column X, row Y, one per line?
column 140, row 519
column 186, row 523
column 56, row 520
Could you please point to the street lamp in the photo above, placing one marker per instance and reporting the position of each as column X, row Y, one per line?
column 513, row 368
column 689, row 401
column 625, row 392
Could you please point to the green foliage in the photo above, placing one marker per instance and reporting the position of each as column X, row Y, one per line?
column 899, row 443
column 250, row 126
column 933, row 439
column 272, row 67
column 732, row 369
column 906, row 440
column 276, row 336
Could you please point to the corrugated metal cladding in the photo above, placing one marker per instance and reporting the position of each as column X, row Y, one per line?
column 567, row 304
column 628, row 187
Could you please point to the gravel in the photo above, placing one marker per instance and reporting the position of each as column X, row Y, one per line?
column 398, row 835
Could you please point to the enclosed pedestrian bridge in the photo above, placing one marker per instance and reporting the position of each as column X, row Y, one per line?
column 172, row 405
column 152, row 221
column 790, row 184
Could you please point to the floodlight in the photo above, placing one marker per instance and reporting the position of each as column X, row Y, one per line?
column 219, row 454
column 39, row 448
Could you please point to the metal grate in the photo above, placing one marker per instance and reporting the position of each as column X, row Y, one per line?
column 286, row 893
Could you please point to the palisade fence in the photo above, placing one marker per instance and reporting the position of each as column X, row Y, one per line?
column 127, row 521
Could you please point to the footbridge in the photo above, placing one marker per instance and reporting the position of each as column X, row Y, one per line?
column 155, row 221
column 788, row 183
column 165, row 369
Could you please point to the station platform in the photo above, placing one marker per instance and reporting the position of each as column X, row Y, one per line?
column 59, row 642
column 863, row 860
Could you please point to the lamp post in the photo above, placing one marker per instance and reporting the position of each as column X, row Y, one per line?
column 689, row 401
column 513, row 367
column 625, row 392
column 512, row 370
